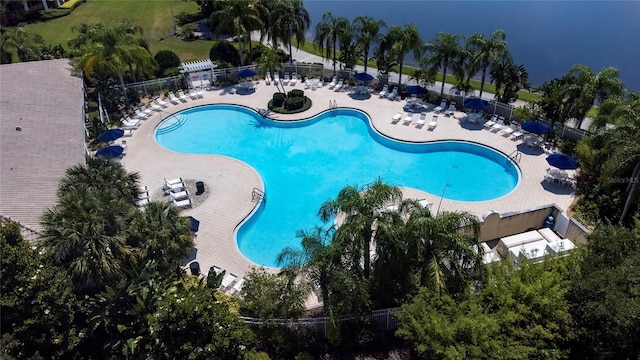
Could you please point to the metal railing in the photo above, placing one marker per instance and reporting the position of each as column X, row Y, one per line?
column 29, row 234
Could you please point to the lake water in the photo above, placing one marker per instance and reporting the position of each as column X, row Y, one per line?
column 547, row 37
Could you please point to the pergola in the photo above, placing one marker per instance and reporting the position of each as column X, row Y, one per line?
column 201, row 70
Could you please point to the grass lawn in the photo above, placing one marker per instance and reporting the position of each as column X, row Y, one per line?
column 153, row 16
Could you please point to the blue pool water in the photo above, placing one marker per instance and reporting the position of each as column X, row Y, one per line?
column 306, row 163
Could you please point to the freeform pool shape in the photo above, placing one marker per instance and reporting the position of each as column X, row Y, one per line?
column 305, row 163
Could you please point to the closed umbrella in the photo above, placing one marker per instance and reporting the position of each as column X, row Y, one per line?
column 535, row 127
column 476, row 104
column 245, row 73
column 110, row 135
column 109, row 152
column 562, row 161
column 416, row 89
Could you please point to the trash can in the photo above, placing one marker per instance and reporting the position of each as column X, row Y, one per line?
column 549, row 222
column 195, row 268
column 199, row 187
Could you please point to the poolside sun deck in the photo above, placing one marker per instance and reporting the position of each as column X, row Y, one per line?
column 230, row 182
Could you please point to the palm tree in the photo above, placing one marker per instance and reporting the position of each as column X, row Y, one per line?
column 443, row 52
column 444, row 249
column 85, row 234
column 327, row 34
column 290, row 19
column 239, row 16
column 404, row 41
column 161, row 235
column 486, row 52
column 510, row 76
column 270, row 62
column 349, row 49
column 385, row 60
column 367, row 33
column 109, row 51
column 362, row 210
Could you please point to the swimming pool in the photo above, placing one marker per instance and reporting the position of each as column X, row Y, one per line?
column 305, row 163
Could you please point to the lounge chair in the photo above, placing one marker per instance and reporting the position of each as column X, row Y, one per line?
column 142, row 202
column 499, row 125
column 443, row 105
column 154, row 106
column 339, row 85
column 237, row 287
column 143, row 188
column 491, row 121
column 506, row 131
column 127, row 132
column 420, row 122
column 294, row 79
column 425, row 203
column 182, row 96
column 451, row 110
column 286, row 79
column 161, row 102
column 181, row 203
column 384, row 92
column 192, row 94
column 334, row 82
column 199, row 92
column 139, row 114
column 146, row 110
column 173, row 99
column 517, row 134
column 393, row 94
column 174, row 185
column 396, row 118
column 267, row 79
column 131, row 123
column 227, row 280
column 276, row 78
column 179, row 195
column 408, row 119
column 142, row 195
column 433, row 123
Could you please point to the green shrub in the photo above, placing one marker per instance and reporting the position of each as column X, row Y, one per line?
column 295, row 103
column 278, row 99
column 296, row 93
column 55, row 13
column 223, row 51
column 167, row 60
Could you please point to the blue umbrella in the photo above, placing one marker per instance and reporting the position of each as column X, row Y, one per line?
column 534, row 127
column 110, row 135
column 476, row 104
column 110, row 151
column 363, row 77
column 562, row 161
column 245, row 73
column 195, row 223
column 416, row 89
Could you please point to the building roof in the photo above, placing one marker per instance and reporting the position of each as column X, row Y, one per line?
column 41, row 135
column 198, row 66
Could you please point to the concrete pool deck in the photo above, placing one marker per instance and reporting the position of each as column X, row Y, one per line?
column 230, row 182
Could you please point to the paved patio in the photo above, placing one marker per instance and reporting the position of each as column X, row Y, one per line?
column 230, row 182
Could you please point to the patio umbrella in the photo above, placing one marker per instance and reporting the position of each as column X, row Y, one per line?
column 245, row 73
column 363, row 77
column 110, row 135
column 110, row 151
column 562, row 161
column 475, row 104
column 416, row 89
column 195, row 223
column 534, row 127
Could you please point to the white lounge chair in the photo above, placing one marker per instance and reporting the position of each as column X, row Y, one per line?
column 441, row 107
column 173, row 99
column 142, row 195
column 182, row 96
column 146, row 110
column 294, row 79
column 396, row 118
column 131, row 123
column 286, row 79
column 237, row 287
column 199, row 92
column 408, row 119
column 499, row 125
column 517, row 134
column 507, row 131
column 179, row 195
column 267, row 79
column 182, row 203
column 276, row 78
column 425, row 203
column 393, row 94
column 127, row 132
column 333, row 83
column 174, row 185
column 192, row 94
column 451, row 110
column 384, row 92
column 421, row 121
column 142, row 202
column 339, row 85
column 491, row 121
column 433, row 123
column 161, row 102
column 154, row 106
column 228, row 279
column 139, row 114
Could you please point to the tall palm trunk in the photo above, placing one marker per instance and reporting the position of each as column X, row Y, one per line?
column 631, row 189
column 444, row 78
column 484, row 74
column 367, row 233
column 124, row 88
